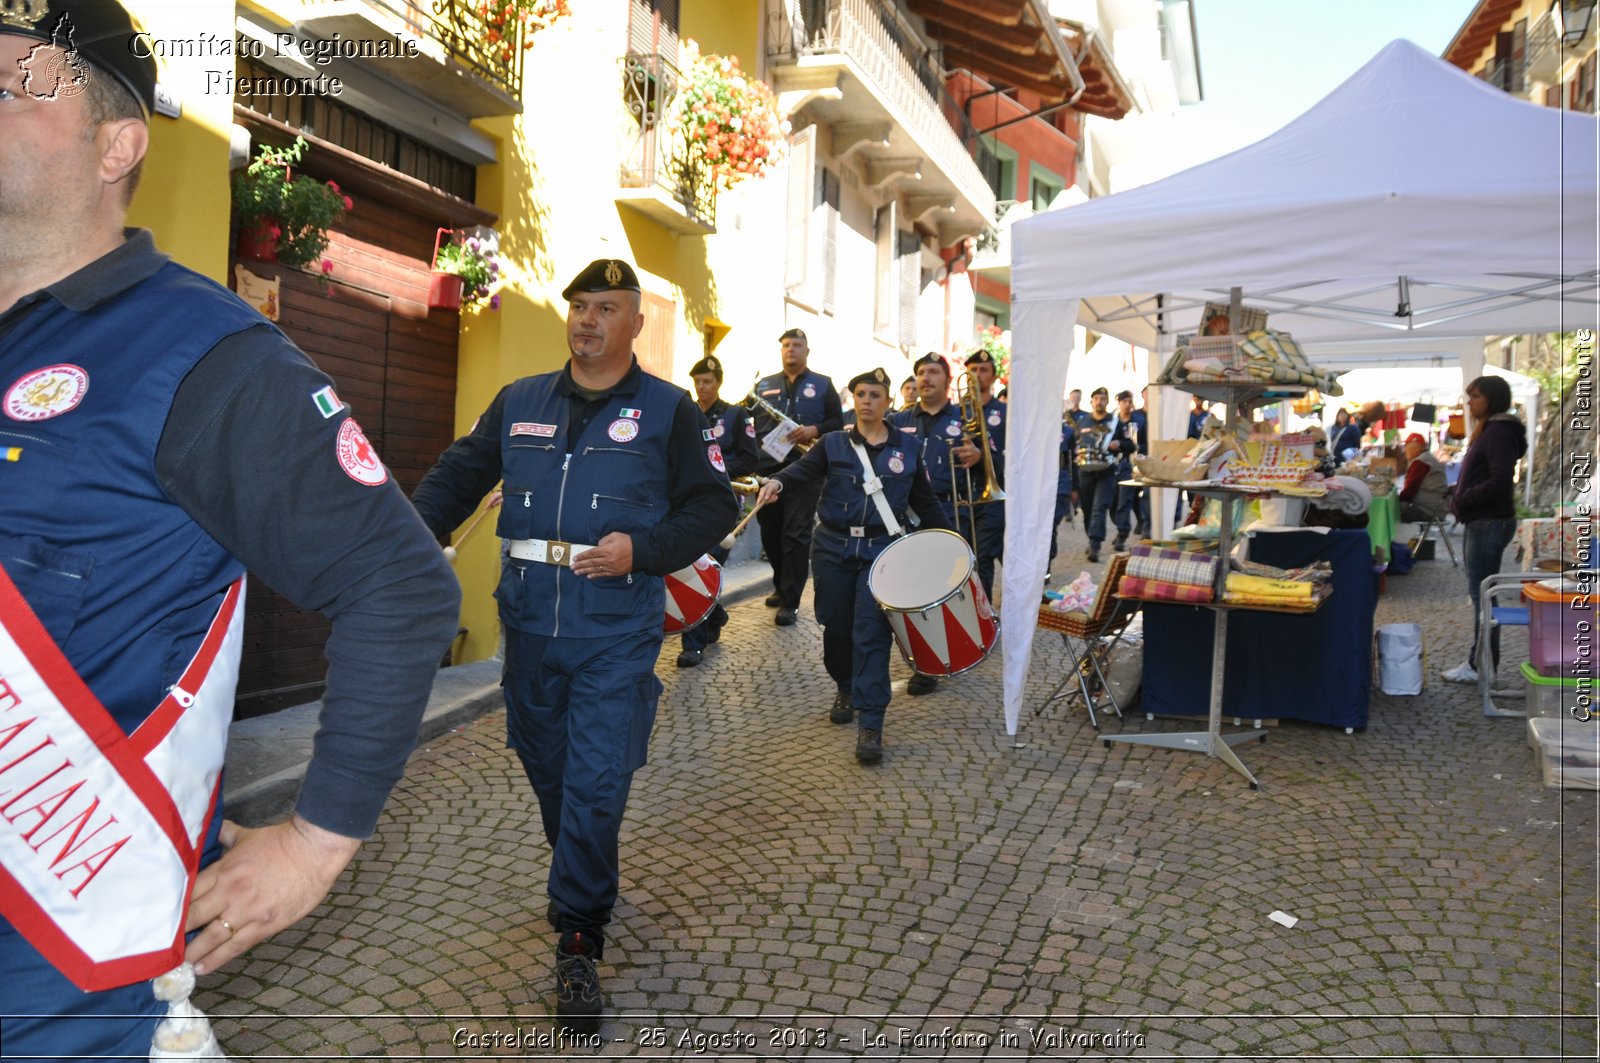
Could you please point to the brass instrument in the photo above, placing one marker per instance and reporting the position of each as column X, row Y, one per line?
column 746, row 485
column 775, row 413
column 975, row 432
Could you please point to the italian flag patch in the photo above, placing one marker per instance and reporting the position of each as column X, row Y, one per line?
column 629, row 413
column 327, row 402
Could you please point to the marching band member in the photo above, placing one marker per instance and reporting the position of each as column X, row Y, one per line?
column 991, row 517
column 167, row 437
column 1066, row 481
column 852, row 530
column 598, row 452
column 1129, row 436
column 935, row 423
column 735, row 433
column 810, row 401
column 1097, row 487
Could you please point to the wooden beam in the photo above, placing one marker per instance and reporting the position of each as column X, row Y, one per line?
column 1000, row 12
column 1039, row 65
column 946, row 25
column 1047, row 90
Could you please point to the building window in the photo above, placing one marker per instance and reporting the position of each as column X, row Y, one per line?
column 1043, row 187
column 1583, row 86
column 999, row 166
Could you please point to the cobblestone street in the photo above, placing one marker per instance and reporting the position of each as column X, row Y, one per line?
column 968, row 898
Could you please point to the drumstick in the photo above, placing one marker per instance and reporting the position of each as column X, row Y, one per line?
column 450, row 551
column 727, row 542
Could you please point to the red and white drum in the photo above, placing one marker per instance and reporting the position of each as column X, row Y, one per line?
column 927, row 585
column 691, row 595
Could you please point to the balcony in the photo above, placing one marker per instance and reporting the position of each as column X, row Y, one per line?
column 992, row 256
column 473, row 72
column 662, row 177
column 858, row 69
column 1544, row 51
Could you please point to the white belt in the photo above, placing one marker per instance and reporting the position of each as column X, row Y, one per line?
column 547, row 551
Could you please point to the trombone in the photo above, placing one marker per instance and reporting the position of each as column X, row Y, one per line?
column 773, row 412
column 974, row 431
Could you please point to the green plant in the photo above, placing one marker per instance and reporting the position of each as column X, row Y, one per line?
column 302, row 208
column 730, row 120
column 475, row 262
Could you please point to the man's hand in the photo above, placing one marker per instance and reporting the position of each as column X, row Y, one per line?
column 267, row 880
column 611, row 556
column 769, row 492
column 966, row 455
column 804, row 434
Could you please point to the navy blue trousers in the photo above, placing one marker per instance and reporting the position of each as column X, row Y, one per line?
column 855, row 634
column 579, row 714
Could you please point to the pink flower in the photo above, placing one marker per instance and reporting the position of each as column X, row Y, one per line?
column 494, row 301
column 327, row 265
column 333, row 186
column 349, row 204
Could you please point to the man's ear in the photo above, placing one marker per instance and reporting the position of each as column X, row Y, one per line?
column 122, row 146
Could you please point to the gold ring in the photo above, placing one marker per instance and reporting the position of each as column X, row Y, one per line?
column 226, row 926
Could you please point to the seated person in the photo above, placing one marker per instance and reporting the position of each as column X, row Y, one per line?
column 1422, row 496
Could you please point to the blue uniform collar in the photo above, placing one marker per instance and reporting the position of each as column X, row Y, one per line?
column 628, row 385
column 132, row 262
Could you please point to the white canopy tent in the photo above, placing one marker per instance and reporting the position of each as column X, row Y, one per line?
column 1413, row 201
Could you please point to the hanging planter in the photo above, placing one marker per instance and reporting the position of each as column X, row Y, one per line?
column 301, row 209
column 444, row 291
column 470, row 259
column 258, row 239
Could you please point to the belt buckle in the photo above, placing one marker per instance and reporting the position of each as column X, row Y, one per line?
column 558, row 553
column 857, row 532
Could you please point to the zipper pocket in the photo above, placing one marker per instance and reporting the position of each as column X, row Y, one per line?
column 594, row 501
column 632, row 453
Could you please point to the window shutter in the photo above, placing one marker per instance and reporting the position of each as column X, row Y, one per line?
column 653, row 28
column 802, row 149
column 657, row 339
column 828, row 193
column 910, row 286
column 886, row 294
column 641, row 28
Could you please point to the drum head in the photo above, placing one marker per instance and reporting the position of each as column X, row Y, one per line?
column 920, row 570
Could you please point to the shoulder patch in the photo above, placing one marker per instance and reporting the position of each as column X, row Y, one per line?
column 356, row 456
column 326, row 401
column 714, row 455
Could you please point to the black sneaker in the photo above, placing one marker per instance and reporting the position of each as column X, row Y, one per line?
column 841, row 711
column 920, row 684
column 773, row 601
column 869, row 746
column 1119, row 544
column 578, row 1000
column 689, row 658
column 784, row 618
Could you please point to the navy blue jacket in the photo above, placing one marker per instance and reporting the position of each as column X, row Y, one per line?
column 935, row 433
column 734, row 433
column 810, row 400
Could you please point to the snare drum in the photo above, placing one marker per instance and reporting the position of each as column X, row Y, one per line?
column 692, row 594
column 927, row 586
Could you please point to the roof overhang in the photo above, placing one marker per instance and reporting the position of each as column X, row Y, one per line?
column 1105, row 93
column 1478, row 32
column 1014, row 41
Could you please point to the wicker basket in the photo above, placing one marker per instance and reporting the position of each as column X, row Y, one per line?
column 1105, row 619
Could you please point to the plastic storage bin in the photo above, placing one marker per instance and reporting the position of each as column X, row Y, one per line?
column 1563, row 627
column 1568, row 751
column 1557, row 696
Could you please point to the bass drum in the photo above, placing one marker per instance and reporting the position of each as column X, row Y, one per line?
column 926, row 583
column 692, row 594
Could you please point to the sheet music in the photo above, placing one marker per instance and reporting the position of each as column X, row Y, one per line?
column 776, row 441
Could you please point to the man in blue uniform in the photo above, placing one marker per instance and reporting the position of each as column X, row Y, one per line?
column 1066, row 481
column 1098, row 474
column 934, row 424
column 810, row 401
column 1129, row 436
column 160, row 437
column 610, row 484
column 734, row 432
column 850, row 534
column 992, row 514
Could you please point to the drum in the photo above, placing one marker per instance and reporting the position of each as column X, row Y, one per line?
column 927, row 586
column 692, row 594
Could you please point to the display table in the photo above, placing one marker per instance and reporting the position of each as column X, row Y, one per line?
column 1381, row 521
column 1316, row 667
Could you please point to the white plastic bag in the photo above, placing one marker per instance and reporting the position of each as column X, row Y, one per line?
column 1400, row 658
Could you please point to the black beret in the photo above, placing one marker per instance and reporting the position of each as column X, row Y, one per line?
column 1124, row 394
column 601, row 275
column 708, row 364
column 980, row 357
column 794, row 334
column 1098, row 391
column 931, row 359
column 100, row 31
column 877, row 376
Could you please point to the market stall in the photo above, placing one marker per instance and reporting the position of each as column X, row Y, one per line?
column 1370, row 216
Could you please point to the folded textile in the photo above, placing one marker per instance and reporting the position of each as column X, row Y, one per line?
column 1172, row 566
column 1347, row 494
column 1259, row 586
column 1316, row 572
column 1162, row 590
column 1308, row 605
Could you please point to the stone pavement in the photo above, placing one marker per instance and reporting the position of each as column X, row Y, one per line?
column 968, row 898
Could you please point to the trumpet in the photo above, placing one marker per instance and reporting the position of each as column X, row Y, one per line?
column 975, row 432
column 747, row 485
column 772, row 411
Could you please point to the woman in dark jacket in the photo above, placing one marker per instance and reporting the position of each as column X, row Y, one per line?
column 1485, row 499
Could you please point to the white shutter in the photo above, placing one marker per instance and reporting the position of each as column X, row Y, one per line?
column 910, row 286
column 886, row 287
column 828, row 204
column 802, row 150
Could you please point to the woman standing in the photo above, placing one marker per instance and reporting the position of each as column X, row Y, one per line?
column 1346, row 435
column 1485, row 500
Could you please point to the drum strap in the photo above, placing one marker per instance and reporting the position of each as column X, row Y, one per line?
column 874, row 489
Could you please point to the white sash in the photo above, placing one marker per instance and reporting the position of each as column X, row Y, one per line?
column 100, row 832
column 874, row 489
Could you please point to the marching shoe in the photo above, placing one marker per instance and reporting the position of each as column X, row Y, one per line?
column 689, row 658
column 1119, row 544
column 773, row 601
column 920, row 684
column 841, row 711
column 1093, row 555
column 784, row 618
column 578, row 1000
column 869, row 746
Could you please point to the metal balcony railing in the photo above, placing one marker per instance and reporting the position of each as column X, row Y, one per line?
column 897, row 65
column 658, row 157
column 466, row 36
